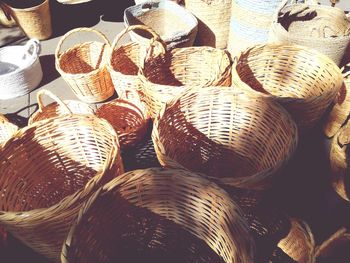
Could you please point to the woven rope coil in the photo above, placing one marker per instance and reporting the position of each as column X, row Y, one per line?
column 225, row 133
column 147, row 210
column 48, row 169
column 304, row 81
column 84, row 67
column 167, row 75
column 7, row 129
column 58, row 107
column 324, row 28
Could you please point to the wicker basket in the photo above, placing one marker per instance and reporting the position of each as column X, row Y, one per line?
column 299, row 244
column 7, row 129
column 165, row 76
column 158, row 215
column 20, row 69
column 127, row 119
column 58, row 107
column 213, row 21
column 48, row 170
column 303, row 80
column 5, row 18
column 83, row 67
column 226, row 133
column 324, row 28
column 173, row 23
column 339, row 159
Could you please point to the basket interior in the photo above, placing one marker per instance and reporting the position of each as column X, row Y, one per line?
column 51, row 160
column 126, row 59
column 83, row 58
column 288, row 72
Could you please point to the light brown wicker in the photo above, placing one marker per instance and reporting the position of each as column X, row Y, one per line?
column 158, row 215
column 5, row 17
column 58, row 107
column 127, row 119
column 299, row 244
column 47, row 171
column 7, row 129
column 239, row 138
column 339, row 159
column 320, row 27
column 341, row 110
column 213, row 21
column 83, row 67
column 303, row 80
column 165, row 76
column 34, row 21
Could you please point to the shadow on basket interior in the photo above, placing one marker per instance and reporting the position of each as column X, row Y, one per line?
column 210, row 38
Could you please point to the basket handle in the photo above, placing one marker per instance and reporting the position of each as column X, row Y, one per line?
column 77, row 30
column 52, row 96
column 6, row 9
column 32, row 48
column 292, row 2
column 346, row 74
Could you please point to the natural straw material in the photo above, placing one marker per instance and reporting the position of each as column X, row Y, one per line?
column 299, row 244
column 167, row 75
column 7, row 129
column 213, row 21
column 58, row 107
column 47, row 171
column 83, row 67
column 127, row 119
column 158, row 215
column 240, row 139
column 303, row 80
column 320, row 27
column 339, row 158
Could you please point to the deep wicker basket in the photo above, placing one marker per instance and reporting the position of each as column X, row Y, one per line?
column 237, row 137
column 48, row 170
column 158, row 215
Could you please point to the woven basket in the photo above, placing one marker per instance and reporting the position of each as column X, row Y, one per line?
column 213, row 21
column 7, row 129
column 127, row 119
column 5, row 17
column 225, row 133
column 20, row 69
column 58, row 107
column 165, row 76
column 340, row 111
column 303, row 80
column 250, row 23
column 158, row 215
column 173, row 23
column 48, row 170
column 339, row 159
column 83, row 67
column 324, row 28
column 35, row 21
column 299, row 244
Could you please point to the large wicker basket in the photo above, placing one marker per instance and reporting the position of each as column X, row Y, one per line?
column 158, row 215
column 58, row 107
column 239, row 138
column 47, row 171
column 165, row 76
column 7, row 129
column 303, row 80
column 83, row 67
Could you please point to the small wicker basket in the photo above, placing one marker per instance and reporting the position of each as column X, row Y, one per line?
column 157, row 215
column 47, row 171
column 58, row 107
column 303, row 80
column 239, row 138
column 84, row 67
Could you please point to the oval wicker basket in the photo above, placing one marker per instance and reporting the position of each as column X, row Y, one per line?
column 20, row 69
column 167, row 75
column 7, row 129
column 320, row 27
column 48, row 170
column 83, row 67
column 58, row 107
column 303, row 80
column 127, row 119
column 161, row 16
column 239, row 138
column 158, row 215
column 299, row 244
column 339, row 160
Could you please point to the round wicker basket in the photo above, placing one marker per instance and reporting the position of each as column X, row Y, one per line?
column 158, row 215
